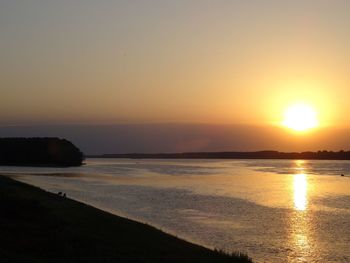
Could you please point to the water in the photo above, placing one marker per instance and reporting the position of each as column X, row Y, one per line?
column 274, row 210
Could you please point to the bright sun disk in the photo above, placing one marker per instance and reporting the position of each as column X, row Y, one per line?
column 300, row 117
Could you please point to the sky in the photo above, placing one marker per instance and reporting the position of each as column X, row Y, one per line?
column 83, row 63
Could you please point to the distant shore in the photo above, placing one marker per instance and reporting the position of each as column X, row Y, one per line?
column 319, row 155
column 38, row 226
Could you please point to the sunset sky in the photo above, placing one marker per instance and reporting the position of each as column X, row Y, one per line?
column 210, row 63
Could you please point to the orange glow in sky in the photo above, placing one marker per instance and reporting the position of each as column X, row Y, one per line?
column 212, row 62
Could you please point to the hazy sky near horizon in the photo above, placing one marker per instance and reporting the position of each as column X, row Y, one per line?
column 155, row 138
column 173, row 61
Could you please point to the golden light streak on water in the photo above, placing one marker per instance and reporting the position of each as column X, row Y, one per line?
column 300, row 192
column 303, row 247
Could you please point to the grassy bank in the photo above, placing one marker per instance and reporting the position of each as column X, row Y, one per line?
column 37, row 226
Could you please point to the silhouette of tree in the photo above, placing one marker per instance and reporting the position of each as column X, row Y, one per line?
column 39, row 152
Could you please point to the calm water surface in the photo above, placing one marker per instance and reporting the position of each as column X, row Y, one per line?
column 274, row 210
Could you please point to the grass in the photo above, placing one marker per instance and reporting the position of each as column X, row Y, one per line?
column 38, row 226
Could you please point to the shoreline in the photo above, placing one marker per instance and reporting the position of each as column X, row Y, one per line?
column 18, row 176
column 231, row 155
column 40, row 226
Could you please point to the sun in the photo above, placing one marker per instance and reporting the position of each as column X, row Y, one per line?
column 300, row 117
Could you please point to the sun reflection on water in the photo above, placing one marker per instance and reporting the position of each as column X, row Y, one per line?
column 300, row 192
column 300, row 217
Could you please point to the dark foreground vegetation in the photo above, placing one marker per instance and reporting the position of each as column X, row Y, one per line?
column 320, row 155
column 39, row 152
column 37, row 226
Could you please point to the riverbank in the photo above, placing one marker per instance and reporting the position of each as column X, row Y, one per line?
column 38, row 226
column 262, row 155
